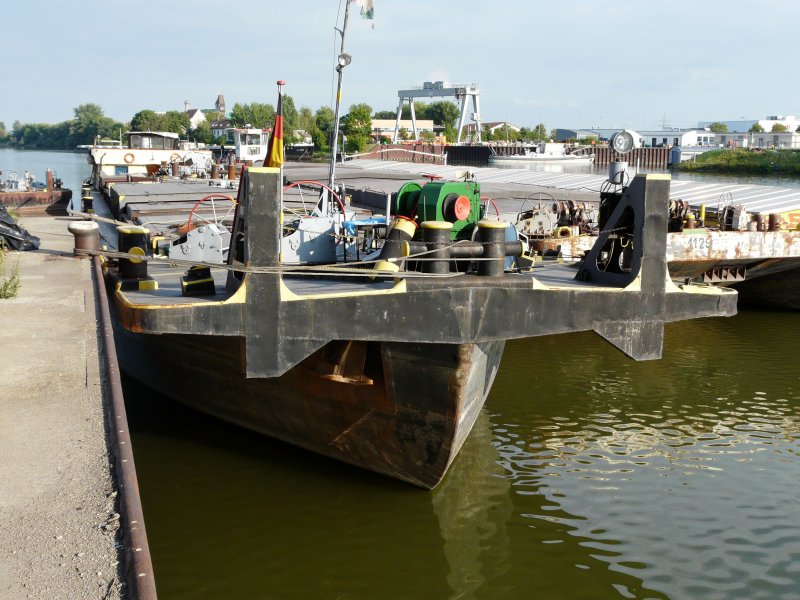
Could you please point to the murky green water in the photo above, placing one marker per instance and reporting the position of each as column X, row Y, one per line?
column 587, row 476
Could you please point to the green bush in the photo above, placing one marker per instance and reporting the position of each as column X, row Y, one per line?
column 9, row 285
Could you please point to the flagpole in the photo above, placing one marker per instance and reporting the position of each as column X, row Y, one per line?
column 280, row 83
column 341, row 62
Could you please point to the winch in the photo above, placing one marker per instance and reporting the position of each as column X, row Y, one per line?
column 457, row 202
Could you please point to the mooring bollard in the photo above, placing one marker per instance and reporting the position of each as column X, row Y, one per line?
column 436, row 235
column 133, row 240
column 87, row 237
column 492, row 234
column 87, row 203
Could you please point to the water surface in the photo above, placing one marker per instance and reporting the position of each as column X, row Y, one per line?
column 71, row 167
column 588, row 475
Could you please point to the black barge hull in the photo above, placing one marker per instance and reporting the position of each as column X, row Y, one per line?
column 408, row 421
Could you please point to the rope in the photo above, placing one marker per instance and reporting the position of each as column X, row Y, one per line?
column 311, row 270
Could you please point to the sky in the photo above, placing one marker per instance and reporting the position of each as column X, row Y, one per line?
column 575, row 64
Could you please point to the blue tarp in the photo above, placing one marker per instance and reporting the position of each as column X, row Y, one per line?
column 350, row 227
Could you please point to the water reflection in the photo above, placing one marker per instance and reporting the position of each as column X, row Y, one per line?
column 679, row 473
column 587, row 476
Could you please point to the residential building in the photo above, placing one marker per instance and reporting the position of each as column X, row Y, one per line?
column 196, row 117
column 219, row 128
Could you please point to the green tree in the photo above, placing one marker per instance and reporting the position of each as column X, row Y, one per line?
column 176, row 121
column 385, row 114
column 305, row 119
column 89, row 122
column 718, row 127
column 213, row 115
column 443, row 113
column 3, row 132
column 290, row 118
column 324, row 120
column 357, row 126
column 255, row 114
column 145, row 120
column 779, row 128
column 756, row 128
column 307, row 122
column 202, row 133
column 420, row 111
column 427, row 136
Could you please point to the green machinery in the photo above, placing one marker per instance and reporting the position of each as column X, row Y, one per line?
column 458, row 202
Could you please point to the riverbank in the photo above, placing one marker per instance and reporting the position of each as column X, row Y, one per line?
column 58, row 502
column 745, row 161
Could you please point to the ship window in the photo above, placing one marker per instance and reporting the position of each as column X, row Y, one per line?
column 253, row 138
column 242, row 139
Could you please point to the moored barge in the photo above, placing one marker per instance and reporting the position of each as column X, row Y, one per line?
column 386, row 369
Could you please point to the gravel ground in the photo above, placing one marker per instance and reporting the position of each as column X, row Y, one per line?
column 59, row 526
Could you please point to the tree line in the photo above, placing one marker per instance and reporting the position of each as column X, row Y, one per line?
column 90, row 123
column 718, row 127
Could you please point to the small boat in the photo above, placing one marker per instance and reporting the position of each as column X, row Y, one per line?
column 250, row 145
column 26, row 195
column 146, row 155
column 544, row 153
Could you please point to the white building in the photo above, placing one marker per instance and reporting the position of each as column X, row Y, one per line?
column 656, row 138
column 653, row 138
column 196, row 117
column 791, row 123
column 767, row 139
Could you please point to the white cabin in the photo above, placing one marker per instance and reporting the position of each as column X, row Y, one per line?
column 145, row 154
column 250, row 143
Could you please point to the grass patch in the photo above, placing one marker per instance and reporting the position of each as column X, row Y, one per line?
column 744, row 161
column 9, row 284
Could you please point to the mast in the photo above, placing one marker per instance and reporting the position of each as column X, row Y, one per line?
column 341, row 62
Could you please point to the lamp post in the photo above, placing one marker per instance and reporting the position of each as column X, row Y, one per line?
column 341, row 62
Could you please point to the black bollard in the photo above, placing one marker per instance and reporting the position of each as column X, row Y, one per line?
column 436, row 235
column 133, row 240
column 492, row 235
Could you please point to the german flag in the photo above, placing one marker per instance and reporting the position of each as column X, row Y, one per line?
column 275, row 156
